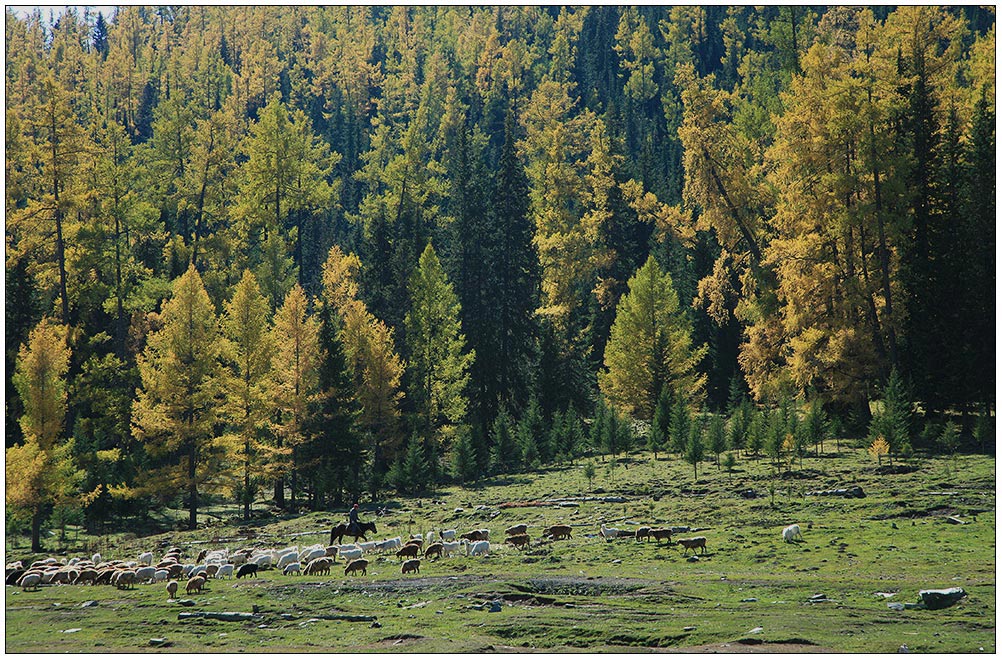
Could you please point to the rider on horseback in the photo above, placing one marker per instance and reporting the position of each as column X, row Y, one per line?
column 353, row 527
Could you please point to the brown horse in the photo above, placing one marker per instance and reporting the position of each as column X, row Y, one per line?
column 340, row 530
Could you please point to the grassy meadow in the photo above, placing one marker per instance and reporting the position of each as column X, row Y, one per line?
column 751, row 590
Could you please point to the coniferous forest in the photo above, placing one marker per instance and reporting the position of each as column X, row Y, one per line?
column 304, row 255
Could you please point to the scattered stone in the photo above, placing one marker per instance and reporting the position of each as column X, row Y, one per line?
column 159, row 641
column 956, row 521
column 439, row 612
column 186, row 602
column 495, row 606
column 617, row 561
column 71, row 630
column 898, row 607
column 89, row 603
column 458, row 509
column 689, row 628
column 679, row 529
column 903, row 648
column 748, row 494
column 569, row 606
column 884, row 594
column 749, row 600
column 755, row 630
column 852, row 491
column 938, row 599
column 376, row 624
column 692, row 559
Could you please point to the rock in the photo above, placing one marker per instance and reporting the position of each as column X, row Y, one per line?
column 899, row 607
column 855, row 491
column 955, row 520
column 89, row 603
column 903, row 648
column 937, row 599
column 749, row 600
column 159, row 641
column 186, row 602
column 617, row 561
column 755, row 630
column 748, row 494
column 72, row 630
column 376, row 624
column 818, row 597
column 692, row 559
column 679, row 529
column 689, row 628
column 495, row 606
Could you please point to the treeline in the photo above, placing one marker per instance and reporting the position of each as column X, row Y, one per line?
column 326, row 250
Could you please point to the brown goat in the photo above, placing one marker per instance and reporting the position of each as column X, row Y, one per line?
column 518, row 540
column 434, row 549
column 558, row 532
column 171, row 590
column 515, row 530
column 660, row 534
column 194, row 584
column 693, row 544
column 643, row 533
column 409, row 550
column 411, row 566
column 475, row 535
column 355, row 566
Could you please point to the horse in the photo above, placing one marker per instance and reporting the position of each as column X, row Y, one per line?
column 340, row 530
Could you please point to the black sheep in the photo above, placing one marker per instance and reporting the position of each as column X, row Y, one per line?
column 247, row 569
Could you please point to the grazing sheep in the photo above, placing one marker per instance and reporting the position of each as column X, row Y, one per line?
column 481, row 548
column 29, row 581
column 195, row 570
column 447, row 535
column 411, row 566
column 452, row 547
column 247, row 569
column 332, row 550
column 792, row 533
column 14, row 577
column 67, row 576
column 171, row 590
column 518, row 540
column 278, row 554
column 104, row 577
column 350, row 553
column 355, row 566
column 48, row 577
column 693, row 544
column 294, row 567
column 96, row 558
column 367, row 546
column 146, row 573
column 175, row 570
column 125, row 579
column 660, row 534
column 287, row 559
column 160, row 576
column 558, row 532
column 388, row 544
column 609, row 533
column 475, row 535
column 194, row 584
column 146, row 558
column 313, row 553
column 418, row 542
column 226, row 570
column 643, row 533
column 211, row 570
column 86, row 575
column 201, row 556
column 429, row 538
column 515, row 530
column 434, row 549
column 319, row 566
column 409, row 550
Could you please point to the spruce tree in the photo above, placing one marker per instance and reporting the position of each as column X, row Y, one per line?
column 717, row 437
column 504, row 450
column 464, row 459
column 893, row 421
column 694, row 449
column 680, row 425
column 660, row 431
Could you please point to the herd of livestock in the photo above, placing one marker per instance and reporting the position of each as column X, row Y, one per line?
column 310, row 560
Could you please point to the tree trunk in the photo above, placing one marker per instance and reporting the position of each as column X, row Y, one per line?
column 192, row 488
column 247, row 493
column 36, row 531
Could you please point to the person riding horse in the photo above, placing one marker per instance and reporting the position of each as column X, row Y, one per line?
column 353, row 527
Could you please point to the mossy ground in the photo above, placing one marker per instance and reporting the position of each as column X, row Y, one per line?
column 586, row 593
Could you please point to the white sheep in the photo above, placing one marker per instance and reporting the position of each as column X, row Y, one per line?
column 161, row 575
column 286, row 559
column 447, row 535
column 308, row 550
column 226, row 570
column 96, row 558
column 389, row 544
column 367, row 546
column 186, row 569
column 429, row 538
column 609, row 532
column 195, row 570
column 451, row 547
column 262, row 560
column 146, row 558
column 276, row 555
column 476, row 548
column 312, row 554
column 145, row 573
column 30, row 580
column 350, row 553
column 294, row 567
column 791, row 533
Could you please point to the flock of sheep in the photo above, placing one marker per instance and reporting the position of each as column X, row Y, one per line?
column 311, row 560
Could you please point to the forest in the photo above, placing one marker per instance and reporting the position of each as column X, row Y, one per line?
column 306, row 255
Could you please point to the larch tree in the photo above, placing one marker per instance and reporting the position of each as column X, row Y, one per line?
column 650, row 346
column 439, row 365
column 249, row 349
column 40, row 472
column 179, row 403
column 293, row 383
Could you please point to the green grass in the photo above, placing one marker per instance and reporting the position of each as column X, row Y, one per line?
column 586, row 593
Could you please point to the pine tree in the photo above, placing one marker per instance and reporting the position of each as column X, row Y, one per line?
column 660, row 431
column 439, row 364
column 504, row 451
column 532, row 437
column 179, row 403
column 650, row 346
column 893, row 421
column 680, row 425
column 717, row 437
column 249, row 350
column 464, row 459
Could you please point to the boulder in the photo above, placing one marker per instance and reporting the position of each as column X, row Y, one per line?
column 938, row 599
